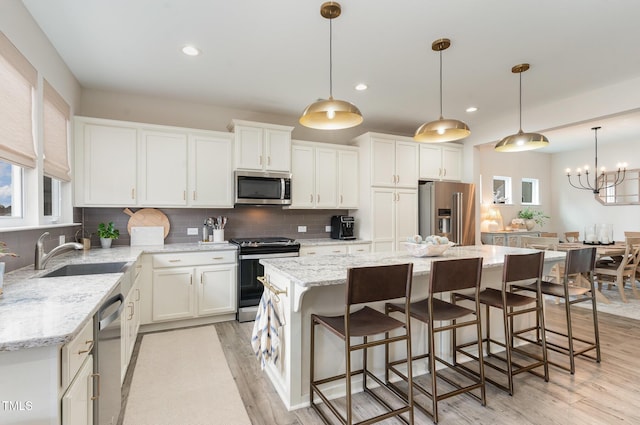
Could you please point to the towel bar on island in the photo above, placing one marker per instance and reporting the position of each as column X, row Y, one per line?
column 274, row 289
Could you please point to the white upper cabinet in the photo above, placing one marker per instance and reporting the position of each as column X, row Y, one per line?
column 393, row 160
column 163, row 168
column 323, row 176
column 348, row 179
column 210, row 171
column 132, row 164
column 442, row 162
column 106, row 163
column 262, row 147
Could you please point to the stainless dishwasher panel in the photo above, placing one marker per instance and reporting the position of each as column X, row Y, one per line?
column 107, row 359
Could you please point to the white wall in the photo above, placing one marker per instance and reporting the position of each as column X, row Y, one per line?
column 516, row 165
column 573, row 209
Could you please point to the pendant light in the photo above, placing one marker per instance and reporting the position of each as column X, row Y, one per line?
column 442, row 130
column 521, row 141
column 331, row 114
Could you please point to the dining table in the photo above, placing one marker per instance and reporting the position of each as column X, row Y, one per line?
column 617, row 249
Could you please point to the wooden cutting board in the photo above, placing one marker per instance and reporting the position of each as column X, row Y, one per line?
column 147, row 217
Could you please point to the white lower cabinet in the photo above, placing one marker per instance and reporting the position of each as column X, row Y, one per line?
column 77, row 403
column 183, row 287
column 130, row 321
column 337, row 248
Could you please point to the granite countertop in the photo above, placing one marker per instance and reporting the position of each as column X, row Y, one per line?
column 329, row 241
column 332, row 269
column 36, row 312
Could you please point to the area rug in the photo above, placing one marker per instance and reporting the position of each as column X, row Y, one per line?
column 182, row 377
column 630, row 309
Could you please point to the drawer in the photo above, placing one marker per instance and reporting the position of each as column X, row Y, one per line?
column 75, row 352
column 182, row 259
column 359, row 248
column 323, row 250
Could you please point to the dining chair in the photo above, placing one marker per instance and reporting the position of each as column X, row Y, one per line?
column 618, row 272
column 579, row 264
column 634, row 235
column 545, row 243
column 548, row 234
column 445, row 277
column 366, row 285
column 518, row 268
column 571, row 236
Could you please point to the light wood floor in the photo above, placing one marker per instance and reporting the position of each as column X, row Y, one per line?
column 604, row 393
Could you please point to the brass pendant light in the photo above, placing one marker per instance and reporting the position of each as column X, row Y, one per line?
column 442, row 130
column 331, row 114
column 521, row 141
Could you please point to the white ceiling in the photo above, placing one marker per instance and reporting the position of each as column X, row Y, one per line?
column 273, row 56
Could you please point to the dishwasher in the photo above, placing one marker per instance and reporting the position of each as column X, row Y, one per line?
column 107, row 356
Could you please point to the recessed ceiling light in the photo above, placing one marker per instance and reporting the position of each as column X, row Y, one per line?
column 190, row 50
column 471, row 109
column 361, row 87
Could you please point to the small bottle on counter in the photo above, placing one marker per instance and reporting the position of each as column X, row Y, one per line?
column 205, row 234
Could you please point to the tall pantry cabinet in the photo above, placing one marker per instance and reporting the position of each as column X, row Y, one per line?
column 388, row 212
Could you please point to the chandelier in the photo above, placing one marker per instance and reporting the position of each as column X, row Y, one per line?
column 599, row 181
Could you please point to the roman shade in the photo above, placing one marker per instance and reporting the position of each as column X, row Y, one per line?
column 18, row 80
column 55, row 123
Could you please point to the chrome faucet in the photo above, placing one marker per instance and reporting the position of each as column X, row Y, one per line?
column 42, row 258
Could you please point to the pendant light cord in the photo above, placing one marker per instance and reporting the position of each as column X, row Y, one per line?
column 331, row 58
column 441, row 117
column 520, row 105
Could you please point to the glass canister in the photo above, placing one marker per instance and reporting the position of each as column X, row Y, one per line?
column 590, row 235
column 605, row 233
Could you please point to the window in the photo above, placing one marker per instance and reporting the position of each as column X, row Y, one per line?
column 501, row 190
column 10, row 190
column 530, row 195
column 51, row 198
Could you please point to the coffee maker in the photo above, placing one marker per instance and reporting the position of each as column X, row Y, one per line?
column 342, row 227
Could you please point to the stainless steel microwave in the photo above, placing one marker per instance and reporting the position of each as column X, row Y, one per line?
column 262, row 188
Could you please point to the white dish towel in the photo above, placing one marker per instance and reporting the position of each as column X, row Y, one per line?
column 266, row 338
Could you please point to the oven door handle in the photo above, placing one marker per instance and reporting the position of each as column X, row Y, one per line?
column 261, row 256
column 104, row 322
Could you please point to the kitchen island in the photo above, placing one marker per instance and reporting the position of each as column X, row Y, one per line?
column 309, row 285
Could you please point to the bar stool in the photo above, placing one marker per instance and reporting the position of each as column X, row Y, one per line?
column 517, row 268
column 579, row 264
column 446, row 276
column 366, row 285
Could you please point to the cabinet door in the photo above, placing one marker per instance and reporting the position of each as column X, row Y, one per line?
column 452, row 163
column 217, row 289
column 172, row 294
column 430, row 162
column 513, row 241
column 326, row 178
column 407, row 164
column 163, row 169
column 406, row 206
column 210, row 172
column 383, row 218
column 303, row 177
column 77, row 406
column 248, row 141
column 348, row 180
column 383, row 158
column 110, row 164
column 277, row 150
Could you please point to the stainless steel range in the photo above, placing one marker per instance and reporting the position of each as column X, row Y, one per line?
column 250, row 252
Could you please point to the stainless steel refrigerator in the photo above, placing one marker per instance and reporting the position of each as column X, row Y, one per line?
column 448, row 209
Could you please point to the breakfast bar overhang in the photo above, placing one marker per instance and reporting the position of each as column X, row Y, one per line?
column 306, row 285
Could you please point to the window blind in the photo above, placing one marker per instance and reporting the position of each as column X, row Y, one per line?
column 55, row 122
column 18, row 80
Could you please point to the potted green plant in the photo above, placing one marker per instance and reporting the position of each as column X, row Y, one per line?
column 532, row 217
column 107, row 233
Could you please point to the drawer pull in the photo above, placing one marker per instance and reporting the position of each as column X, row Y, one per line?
column 97, row 395
column 131, row 312
column 218, row 258
column 336, row 250
column 90, row 342
column 174, row 261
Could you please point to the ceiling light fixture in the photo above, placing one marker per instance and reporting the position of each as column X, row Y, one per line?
column 190, row 50
column 521, row 141
column 331, row 114
column 361, row 86
column 599, row 181
column 471, row 109
column 441, row 130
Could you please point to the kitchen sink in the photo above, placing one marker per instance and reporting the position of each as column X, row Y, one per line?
column 87, row 268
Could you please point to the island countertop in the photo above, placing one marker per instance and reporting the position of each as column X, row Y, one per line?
column 332, row 269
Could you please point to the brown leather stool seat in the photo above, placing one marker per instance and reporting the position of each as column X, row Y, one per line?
column 366, row 285
column 446, row 276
